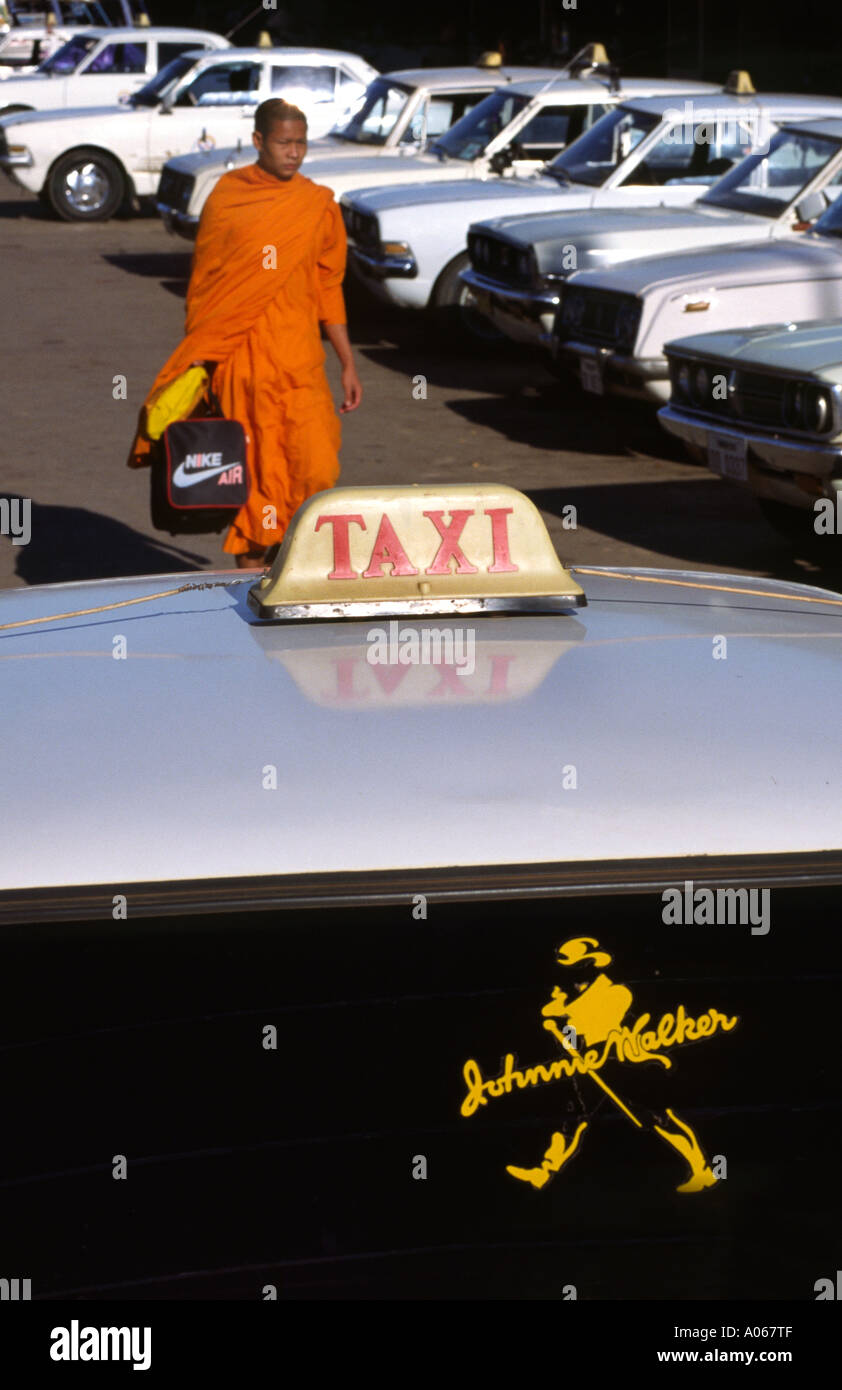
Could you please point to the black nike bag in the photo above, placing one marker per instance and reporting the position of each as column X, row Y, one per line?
column 199, row 475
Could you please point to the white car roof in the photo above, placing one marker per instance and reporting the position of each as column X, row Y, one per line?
column 573, row 88
column 780, row 106
column 624, row 689
column 155, row 31
column 302, row 55
column 467, row 76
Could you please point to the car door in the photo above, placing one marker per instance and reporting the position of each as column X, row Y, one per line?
column 549, row 130
column 212, row 109
column 111, row 74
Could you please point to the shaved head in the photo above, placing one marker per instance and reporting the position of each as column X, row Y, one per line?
column 268, row 112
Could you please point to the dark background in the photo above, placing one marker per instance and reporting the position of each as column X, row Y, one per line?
column 787, row 47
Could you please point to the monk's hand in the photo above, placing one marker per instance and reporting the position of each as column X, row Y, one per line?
column 353, row 391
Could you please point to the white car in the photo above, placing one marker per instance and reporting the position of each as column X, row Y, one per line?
column 762, row 407
column 400, row 113
column 100, row 67
column 409, row 242
column 519, row 262
column 613, row 323
column 28, row 40
column 87, row 163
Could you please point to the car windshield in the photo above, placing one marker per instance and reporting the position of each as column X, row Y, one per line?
column 595, row 155
column 384, row 103
column 468, row 138
column 163, row 82
column 67, row 58
column 766, row 183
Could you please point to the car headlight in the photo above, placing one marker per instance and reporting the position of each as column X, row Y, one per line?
column 683, row 380
column 817, row 410
column 808, row 407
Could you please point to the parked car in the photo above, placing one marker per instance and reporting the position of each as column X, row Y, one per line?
column 28, row 39
column 99, row 67
column 88, row 163
column 762, row 407
column 613, row 323
column 428, row 915
column 400, row 113
column 408, row 241
column 519, row 262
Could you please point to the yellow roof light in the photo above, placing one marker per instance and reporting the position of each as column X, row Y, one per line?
column 739, row 83
column 265, row 40
column 414, row 551
column 490, row 59
column 143, row 20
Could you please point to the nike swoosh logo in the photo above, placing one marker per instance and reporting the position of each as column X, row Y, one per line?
column 182, row 478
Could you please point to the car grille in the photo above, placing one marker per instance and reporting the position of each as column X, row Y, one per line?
column 600, row 317
column 745, row 397
column 498, row 260
column 175, row 190
column 362, row 227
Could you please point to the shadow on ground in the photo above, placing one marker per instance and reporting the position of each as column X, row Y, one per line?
column 684, row 519
column 71, row 543
column 170, row 268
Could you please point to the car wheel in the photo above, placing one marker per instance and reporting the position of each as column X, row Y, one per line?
column 452, row 299
column 86, row 186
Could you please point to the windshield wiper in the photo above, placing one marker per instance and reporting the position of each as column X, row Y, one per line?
column 558, row 173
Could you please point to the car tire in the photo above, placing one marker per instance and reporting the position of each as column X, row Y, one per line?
column 449, row 299
column 86, row 185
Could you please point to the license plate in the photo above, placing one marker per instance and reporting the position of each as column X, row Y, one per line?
column 727, row 456
column 591, row 376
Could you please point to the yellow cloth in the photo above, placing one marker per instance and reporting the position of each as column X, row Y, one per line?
column 176, row 401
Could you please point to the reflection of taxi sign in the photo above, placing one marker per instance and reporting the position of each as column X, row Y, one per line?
column 416, row 550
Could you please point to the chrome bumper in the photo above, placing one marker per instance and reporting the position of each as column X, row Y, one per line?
column 641, row 378
column 183, row 223
column 525, row 315
column 785, row 470
column 16, row 161
column 381, row 267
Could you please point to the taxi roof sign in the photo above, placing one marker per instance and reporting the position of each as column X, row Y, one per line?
column 415, row 550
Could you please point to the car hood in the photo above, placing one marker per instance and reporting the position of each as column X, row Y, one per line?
column 605, row 235
column 153, row 767
column 458, row 190
column 76, row 118
column 766, row 262
column 812, row 347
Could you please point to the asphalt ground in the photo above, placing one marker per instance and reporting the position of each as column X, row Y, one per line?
column 85, row 304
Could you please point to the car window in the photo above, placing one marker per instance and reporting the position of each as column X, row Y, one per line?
column 468, row 138
column 611, row 139
column 314, row 83
column 71, row 54
column 168, row 51
column 765, row 183
column 693, row 151
column 550, row 130
column 120, row 58
column 373, row 124
column 223, row 84
column 443, row 110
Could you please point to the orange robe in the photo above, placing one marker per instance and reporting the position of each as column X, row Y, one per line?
column 268, row 266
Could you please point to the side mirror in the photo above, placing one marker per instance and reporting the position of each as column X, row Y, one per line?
column 503, row 159
column 811, row 207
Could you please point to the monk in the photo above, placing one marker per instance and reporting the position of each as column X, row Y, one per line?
column 267, row 271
